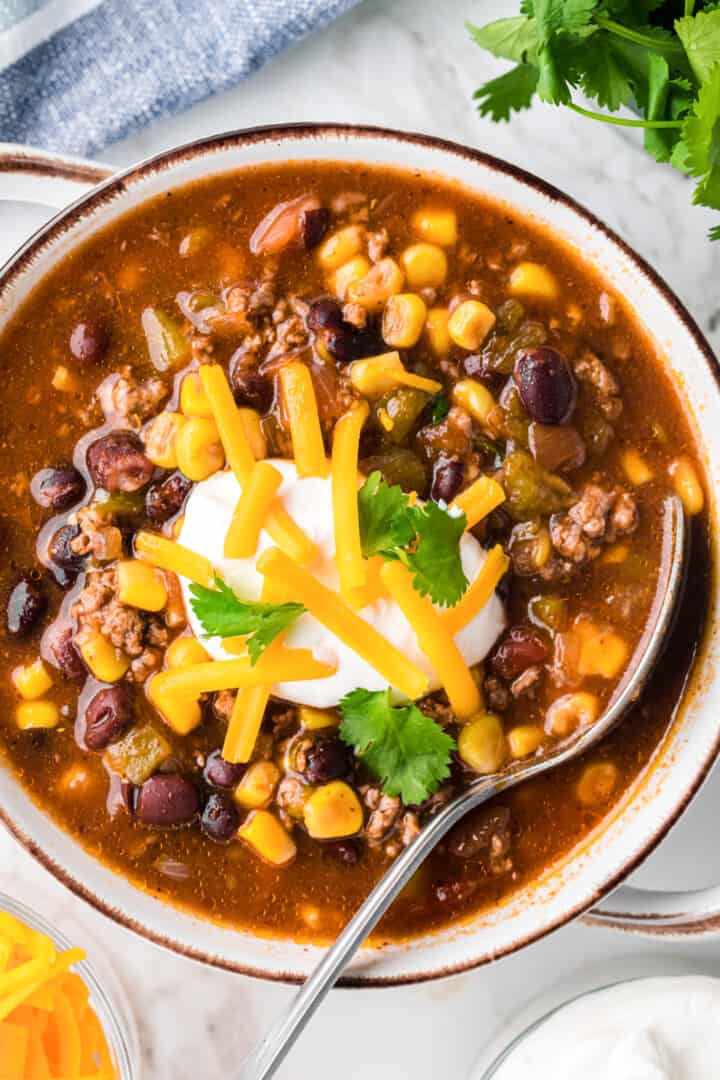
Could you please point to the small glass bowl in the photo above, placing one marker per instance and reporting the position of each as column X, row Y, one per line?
column 107, row 996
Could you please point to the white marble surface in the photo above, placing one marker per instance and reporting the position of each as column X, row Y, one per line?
column 409, row 64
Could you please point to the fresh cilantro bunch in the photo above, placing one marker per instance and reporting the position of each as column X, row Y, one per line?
column 407, row 750
column 662, row 58
column 222, row 614
column 425, row 537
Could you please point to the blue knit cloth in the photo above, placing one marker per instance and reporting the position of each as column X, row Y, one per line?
column 124, row 63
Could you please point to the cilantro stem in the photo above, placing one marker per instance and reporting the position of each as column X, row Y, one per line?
column 646, row 40
column 622, row 122
column 689, row 7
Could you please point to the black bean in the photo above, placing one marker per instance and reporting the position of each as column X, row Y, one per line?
column 220, row 820
column 165, row 500
column 474, row 835
column 546, row 385
column 89, row 342
column 313, row 226
column 108, row 716
column 117, row 462
column 221, row 773
column 325, row 314
column 346, row 852
column 63, row 653
column 447, row 480
column 251, row 389
column 353, row 343
column 167, row 800
column 57, row 488
column 26, row 606
column 60, row 551
column 327, row 759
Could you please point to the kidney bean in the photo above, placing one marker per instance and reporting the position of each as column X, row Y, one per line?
column 108, row 716
column 221, row 773
column 557, row 447
column 62, row 652
column 220, row 820
column 166, row 801
column 26, row 606
column 546, row 385
column 251, row 389
column 282, row 226
column 89, row 342
column 117, row 462
column 447, row 480
column 327, row 759
column 314, row 224
column 57, row 488
column 473, row 836
column 521, row 647
column 165, row 500
column 346, row 852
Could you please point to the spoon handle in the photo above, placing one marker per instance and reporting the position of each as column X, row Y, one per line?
column 269, row 1054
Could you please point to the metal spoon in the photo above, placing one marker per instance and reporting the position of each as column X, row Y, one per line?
column 268, row 1055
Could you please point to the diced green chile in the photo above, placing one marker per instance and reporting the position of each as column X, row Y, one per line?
column 168, row 347
column 136, row 756
column 398, row 466
column 531, row 491
column 502, row 350
column 548, row 611
column 403, row 407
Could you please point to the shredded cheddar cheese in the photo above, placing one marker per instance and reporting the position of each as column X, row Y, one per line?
column 479, row 592
column 434, row 639
column 290, row 665
column 479, row 500
column 169, row 555
column 329, row 609
column 251, row 511
column 348, row 552
column 301, row 407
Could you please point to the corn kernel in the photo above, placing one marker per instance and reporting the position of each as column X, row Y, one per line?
column 160, row 438
column 199, row 453
column 258, row 785
column 531, row 279
column 333, row 810
column 64, row 380
column 482, row 745
column 377, row 375
column 353, row 270
column 474, row 398
column 425, row 266
column 181, row 714
column 602, row 652
column 315, row 719
column 193, row 399
column 184, row 651
column 32, row 680
column 470, row 323
column 140, row 585
column 383, row 280
column 615, row 554
column 403, row 320
column 597, row 783
column 524, row 740
column 435, row 225
column 252, row 426
column 37, row 714
column 340, row 246
column 636, row 468
column 106, row 663
column 687, row 484
column 436, row 331
column 571, row 711
column 264, row 833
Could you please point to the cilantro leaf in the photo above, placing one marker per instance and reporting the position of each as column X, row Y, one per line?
column 554, row 15
column 604, row 74
column 700, row 35
column 407, row 750
column 510, row 39
column 440, row 408
column 512, row 91
column 435, row 560
column 701, row 136
column 384, row 523
column 222, row 614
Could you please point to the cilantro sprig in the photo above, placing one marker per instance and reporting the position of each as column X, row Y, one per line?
column 223, row 614
column 425, row 537
column 406, row 750
column 619, row 52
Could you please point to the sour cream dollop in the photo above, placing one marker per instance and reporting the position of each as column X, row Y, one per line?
column 647, row 1029
column 309, row 501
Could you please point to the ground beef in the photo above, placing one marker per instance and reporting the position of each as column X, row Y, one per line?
column 598, row 517
column 497, row 694
column 139, row 634
column 222, row 705
column 526, row 683
column 377, row 244
column 384, row 813
column 134, row 401
column 98, row 537
column 589, row 369
column 290, row 799
column 407, row 830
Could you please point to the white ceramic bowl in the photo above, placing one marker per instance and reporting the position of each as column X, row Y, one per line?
column 577, row 883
